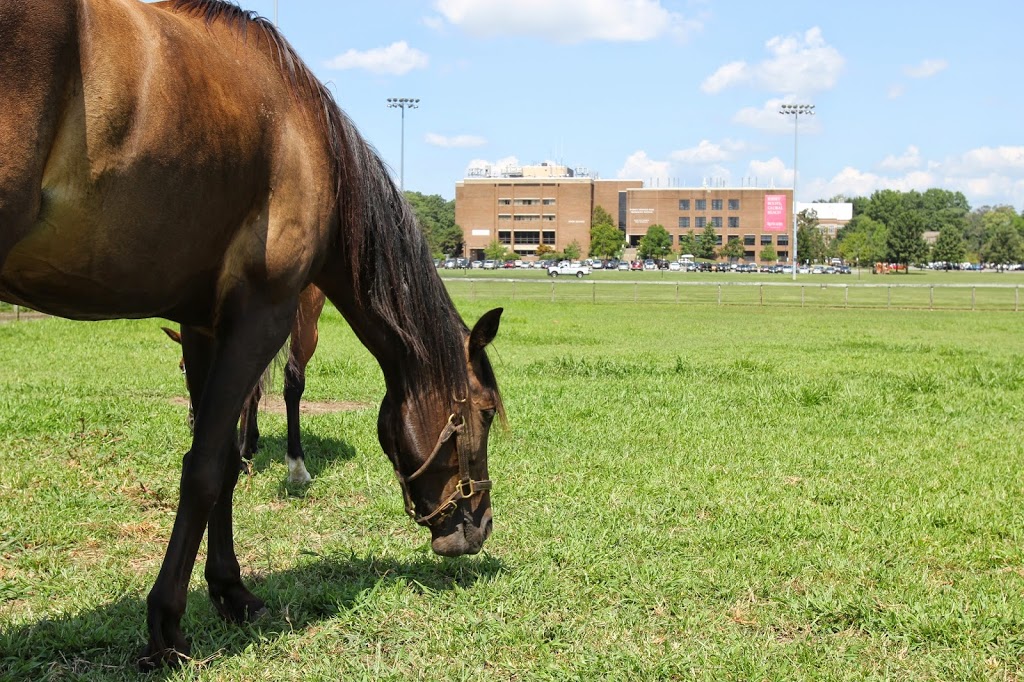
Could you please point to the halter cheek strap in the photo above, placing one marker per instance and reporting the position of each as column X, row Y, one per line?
column 466, row 487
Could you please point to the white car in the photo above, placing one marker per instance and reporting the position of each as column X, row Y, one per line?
column 490, row 264
column 674, row 266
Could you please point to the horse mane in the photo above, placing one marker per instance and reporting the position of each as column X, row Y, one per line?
column 391, row 265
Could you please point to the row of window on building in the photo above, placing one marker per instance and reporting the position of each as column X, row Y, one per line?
column 548, row 237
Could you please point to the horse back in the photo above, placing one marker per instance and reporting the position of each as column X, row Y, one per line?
column 158, row 160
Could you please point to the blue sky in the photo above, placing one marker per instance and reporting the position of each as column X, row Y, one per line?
column 908, row 95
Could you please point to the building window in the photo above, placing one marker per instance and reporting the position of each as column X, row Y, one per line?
column 504, row 216
column 783, row 240
column 718, row 240
column 783, row 255
column 700, row 222
column 748, row 255
column 748, row 240
column 734, row 221
column 684, row 221
column 734, row 204
column 549, row 236
column 504, row 236
column 504, row 202
column 526, row 216
column 766, row 240
column 549, row 218
column 716, row 221
column 532, row 237
column 525, row 202
column 549, row 202
column 701, row 204
column 716, row 204
column 684, row 204
column 733, row 238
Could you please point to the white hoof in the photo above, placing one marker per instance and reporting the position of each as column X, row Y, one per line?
column 297, row 471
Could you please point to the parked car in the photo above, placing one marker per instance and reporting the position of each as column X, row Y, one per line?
column 567, row 268
column 649, row 264
column 477, row 264
column 624, row 265
column 636, row 265
column 490, row 264
column 675, row 266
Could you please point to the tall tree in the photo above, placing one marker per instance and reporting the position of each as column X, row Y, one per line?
column 768, row 254
column 657, row 243
column 436, row 218
column 864, row 241
column 706, row 243
column 905, row 238
column 1003, row 246
column 949, row 247
column 573, row 251
column 688, row 244
column 732, row 250
column 605, row 241
column 600, row 216
column 810, row 242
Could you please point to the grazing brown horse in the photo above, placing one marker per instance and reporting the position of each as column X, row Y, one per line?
column 301, row 346
column 179, row 160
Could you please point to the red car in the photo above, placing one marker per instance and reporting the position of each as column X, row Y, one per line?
column 636, row 265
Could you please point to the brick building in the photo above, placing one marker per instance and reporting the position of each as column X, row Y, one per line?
column 525, row 207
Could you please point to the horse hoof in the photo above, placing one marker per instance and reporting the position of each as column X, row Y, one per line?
column 150, row 660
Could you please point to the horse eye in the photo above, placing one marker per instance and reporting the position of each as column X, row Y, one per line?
column 488, row 414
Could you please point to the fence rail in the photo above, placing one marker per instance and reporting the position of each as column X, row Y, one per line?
column 978, row 297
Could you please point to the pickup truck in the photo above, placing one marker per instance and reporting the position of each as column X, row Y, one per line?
column 568, row 269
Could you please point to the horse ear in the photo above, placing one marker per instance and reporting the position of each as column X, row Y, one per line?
column 175, row 336
column 484, row 331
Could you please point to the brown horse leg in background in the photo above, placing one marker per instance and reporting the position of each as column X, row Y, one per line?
column 303, row 342
column 304, row 338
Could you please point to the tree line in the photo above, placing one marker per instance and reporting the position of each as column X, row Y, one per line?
column 888, row 226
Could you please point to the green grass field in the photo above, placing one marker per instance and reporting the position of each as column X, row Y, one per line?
column 683, row 492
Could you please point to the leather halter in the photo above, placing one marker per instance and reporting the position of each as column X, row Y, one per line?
column 466, row 487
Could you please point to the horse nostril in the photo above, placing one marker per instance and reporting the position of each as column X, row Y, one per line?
column 488, row 527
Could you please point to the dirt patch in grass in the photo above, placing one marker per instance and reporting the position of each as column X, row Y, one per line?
column 275, row 405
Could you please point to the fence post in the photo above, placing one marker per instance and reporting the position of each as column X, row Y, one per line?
column 719, row 294
column 972, row 297
column 17, row 313
column 593, row 293
column 931, row 297
column 846, row 297
column 552, row 291
column 677, row 292
column 1016, row 298
column 761, row 292
column 888, row 296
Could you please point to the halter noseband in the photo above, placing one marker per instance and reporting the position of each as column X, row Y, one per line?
column 466, row 487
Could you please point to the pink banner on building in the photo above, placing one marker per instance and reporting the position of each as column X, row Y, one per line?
column 776, row 218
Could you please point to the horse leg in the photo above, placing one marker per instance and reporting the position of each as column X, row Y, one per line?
column 220, row 374
column 305, row 335
column 250, row 435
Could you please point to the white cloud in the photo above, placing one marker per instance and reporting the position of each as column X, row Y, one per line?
column 986, row 175
column 895, row 91
column 911, row 158
column 770, row 172
column 926, row 69
column 796, row 65
column 396, row 59
column 567, row 21
column 454, row 141
column 641, row 167
column 708, row 152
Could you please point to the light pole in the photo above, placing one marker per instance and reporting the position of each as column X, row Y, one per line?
column 402, row 103
column 795, row 110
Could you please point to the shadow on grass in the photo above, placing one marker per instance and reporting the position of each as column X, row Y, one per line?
column 103, row 642
column 320, row 453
